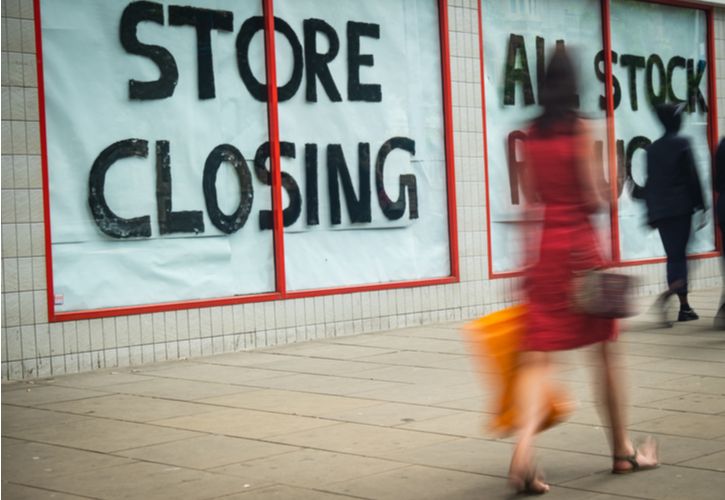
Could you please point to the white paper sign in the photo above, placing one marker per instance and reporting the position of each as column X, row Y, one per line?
column 518, row 38
column 402, row 78
column 667, row 60
column 158, row 155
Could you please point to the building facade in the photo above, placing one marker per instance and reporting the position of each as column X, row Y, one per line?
column 161, row 201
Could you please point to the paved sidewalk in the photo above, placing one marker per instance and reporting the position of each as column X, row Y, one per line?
column 393, row 415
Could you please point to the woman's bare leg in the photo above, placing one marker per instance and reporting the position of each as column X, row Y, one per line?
column 614, row 399
column 614, row 403
column 532, row 387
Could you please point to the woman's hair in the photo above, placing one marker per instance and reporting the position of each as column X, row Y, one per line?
column 558, row 96
column 671, row 116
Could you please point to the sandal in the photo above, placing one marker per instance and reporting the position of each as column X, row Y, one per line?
column 635, row 466
column 530, row 484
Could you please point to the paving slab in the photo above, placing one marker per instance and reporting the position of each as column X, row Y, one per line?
column 129, row 407
column 16, row 418
column 291, row 402
column 696, row 334
column 456, row 362
column 483, row 403
column 329, row 350
column 422, row 359
column 480, row 456
column 97, row 434
column 461, row 423
column 39, row 395
column 419, row 394
column 180, row 390
column 695, row 384
column 687, row 367
column 318, row 366
column 327, row 384
column 98, row 380
column 579, row 438
column 713, row 462
column 664, row 483
column 592, row 414
column 280, row 491
column 684, row 424
column 220, row 374
column 682, row 352
column 207, row 451
column 309, row 468
column 368, row 440
column 398, row 414
column 389, row 414
column 454, row 345
column 420, row 375
column 246, row 358
column 146, row 480
column 34, row 463
column 655, row 398
column 419, row 482
column 633, row 377
column 21, row 492
column 692, row 403
column 244, row 423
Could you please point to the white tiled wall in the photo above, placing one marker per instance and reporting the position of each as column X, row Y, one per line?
column 31, row 347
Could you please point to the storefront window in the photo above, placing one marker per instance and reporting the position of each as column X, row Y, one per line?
column 659, row 54
column 666, row 62
column 362, row 138
column 151, row 138
column 518, row 38
column 161, row 159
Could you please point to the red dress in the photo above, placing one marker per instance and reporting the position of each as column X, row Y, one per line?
column 568, row 244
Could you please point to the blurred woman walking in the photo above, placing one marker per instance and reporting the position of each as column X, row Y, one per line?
column 560, row 174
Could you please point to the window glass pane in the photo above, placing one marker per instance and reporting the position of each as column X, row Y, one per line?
column 666, row 62
column 518, row 38
column 147, row 117
column 362, row 137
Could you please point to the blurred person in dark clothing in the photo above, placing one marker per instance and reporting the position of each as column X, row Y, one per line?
column 720, row 211
column 672, row 193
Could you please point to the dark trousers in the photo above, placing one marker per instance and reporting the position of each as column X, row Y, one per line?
column 675, row 232
column 721, row 217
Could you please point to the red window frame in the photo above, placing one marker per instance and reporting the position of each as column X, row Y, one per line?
column 611, row 141
column 281, row 292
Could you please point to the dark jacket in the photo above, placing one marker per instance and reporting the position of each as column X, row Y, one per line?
column 673, row 186
column 720, row 167
column 720, row 183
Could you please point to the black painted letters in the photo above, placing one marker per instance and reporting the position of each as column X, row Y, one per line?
column 316, row 63
column 358, row 207
column 133, row 14
column 356, row 91
column 394, row 210
column 204, row 20
column 106, row 220
column 227, row 223
column 517, row 50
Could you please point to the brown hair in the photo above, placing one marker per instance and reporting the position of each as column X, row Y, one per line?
column 558, row 96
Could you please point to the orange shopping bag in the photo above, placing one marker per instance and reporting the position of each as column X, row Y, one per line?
column 495, row 340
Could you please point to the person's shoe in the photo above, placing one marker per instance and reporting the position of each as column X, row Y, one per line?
column 687, row 315
column 643, row 458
